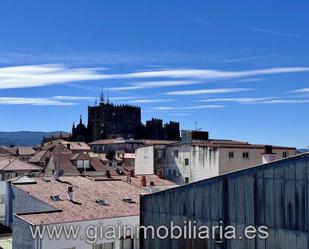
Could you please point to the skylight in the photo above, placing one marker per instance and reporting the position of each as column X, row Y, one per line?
column 102, row 202
column 129, row 200
column 56, row 198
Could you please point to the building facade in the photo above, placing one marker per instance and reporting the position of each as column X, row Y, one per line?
column 272, row 195
column 196, row 159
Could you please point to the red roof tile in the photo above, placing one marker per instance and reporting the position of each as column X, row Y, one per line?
column 86, row 192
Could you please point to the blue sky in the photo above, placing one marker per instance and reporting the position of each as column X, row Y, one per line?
column 240, row 69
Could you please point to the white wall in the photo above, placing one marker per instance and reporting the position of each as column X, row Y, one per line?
column 2, row 200
column 81, row 243
column 203, row 163
column 144, row 161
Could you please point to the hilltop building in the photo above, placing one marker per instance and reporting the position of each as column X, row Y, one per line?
column 109, row 121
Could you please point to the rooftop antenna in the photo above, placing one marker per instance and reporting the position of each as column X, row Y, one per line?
column 108, row 96
column 95, row 102
column 101, row 95
column 196, row 126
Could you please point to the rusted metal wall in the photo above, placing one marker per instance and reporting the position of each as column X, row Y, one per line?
column 273, row 195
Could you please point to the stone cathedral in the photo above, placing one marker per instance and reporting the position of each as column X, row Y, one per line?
column 107, row 121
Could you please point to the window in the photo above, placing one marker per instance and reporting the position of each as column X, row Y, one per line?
column 126, row 243
column 56, row 198
column 245, row 154
column 129, row 200
column 169, row 172
column 175, row 153
column 284, row 154
column 187, row 180
column 186, row 161
column 104, row 246
column 102, row 202
column 2, row 199
column 174, row 172
column 80, row 163
column 231, row 154
column 86, row 164
column 9, row 175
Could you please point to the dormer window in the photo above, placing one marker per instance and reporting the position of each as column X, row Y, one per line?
column 102, row 202
column 129, row 200
column 56, row 198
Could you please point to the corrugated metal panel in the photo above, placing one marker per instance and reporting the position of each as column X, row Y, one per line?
column 274, row 195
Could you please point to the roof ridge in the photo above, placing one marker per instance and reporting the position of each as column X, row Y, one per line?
column 9, row 162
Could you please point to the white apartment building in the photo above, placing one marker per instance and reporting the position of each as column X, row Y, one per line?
column 195, row 159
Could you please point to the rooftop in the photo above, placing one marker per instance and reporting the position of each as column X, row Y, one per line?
column 224, row 143
column 14, row 164
column 86, row 192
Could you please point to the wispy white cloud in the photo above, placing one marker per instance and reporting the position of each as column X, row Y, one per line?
column 83, row 98
column 236, row 100
column 144, row 101
column 248, row 58
column 214, row 74
column 284, row 101
column 155, row 84
column 180, row 114
column 258, row 101
column 44, row 75
column 302, row 90
column 275, row 32
column 33, row 101
column 194, row 107
column 208, row 91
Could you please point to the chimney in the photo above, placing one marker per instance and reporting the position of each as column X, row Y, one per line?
column 132, row 173
column 70, row 193
column 108, row 174
column 69, row 146
column 143, row 181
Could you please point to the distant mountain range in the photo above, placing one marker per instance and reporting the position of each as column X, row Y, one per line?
column 24, row 138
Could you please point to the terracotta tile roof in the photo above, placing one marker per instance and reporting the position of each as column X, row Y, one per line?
column 80, row 156
column 79, row 146
column 39, row 156
column 137, row 181
column 21, row 150
column 108, row 141
column 52, row 144
column 86, row 192
column 14, row 164
column 65, row 162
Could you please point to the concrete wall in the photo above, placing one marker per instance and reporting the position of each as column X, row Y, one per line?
column 144, row 161
column 238, row 162
column 19, row 201
column 22, row 235
column 203, row 163
column 275, row 195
